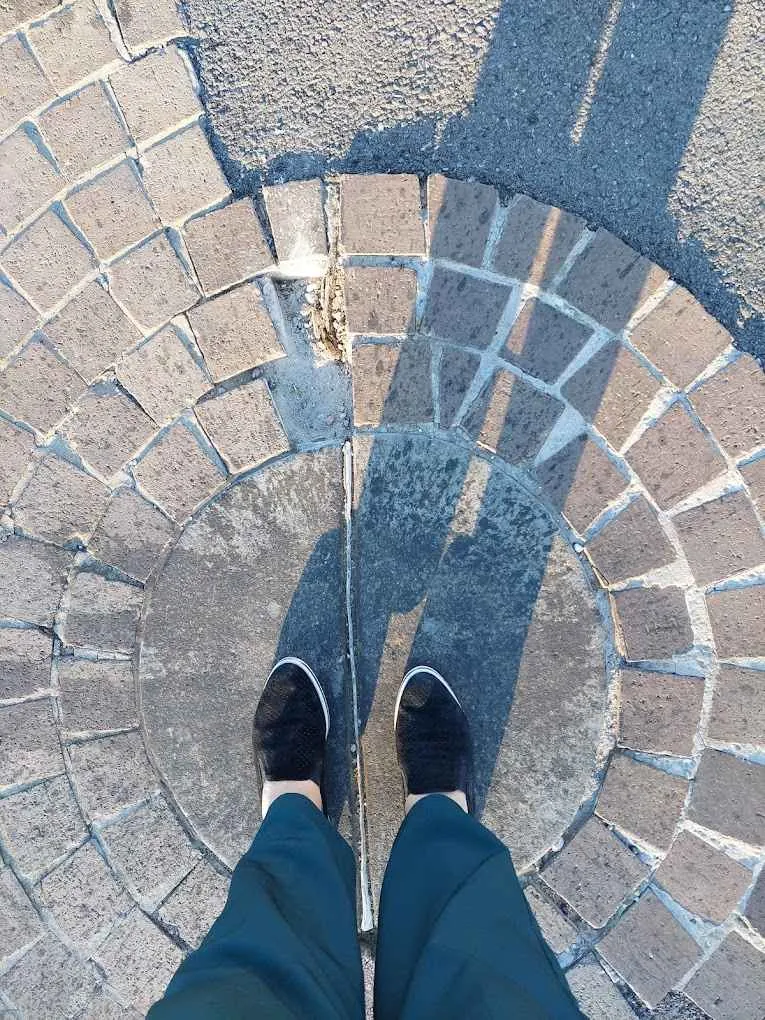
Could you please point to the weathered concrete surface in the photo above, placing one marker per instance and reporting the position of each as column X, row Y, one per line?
column 645, row 118
column 258, row 575
column 455, row 565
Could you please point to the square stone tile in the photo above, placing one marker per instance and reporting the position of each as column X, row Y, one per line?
column 642, row 800
column 674, row 458
column 653, row 623
column 16, row 446
column 379, row 301
column 92, row 331
column 612, row 390
column 111, row 772
column 38, row 388
column 580, row 480
column 721, row 537
column 73, row 43
column 25, row 657
column 738, row 706
column 102, row 613
column 152, row 284
column 196, row 903
column 155, row 93
column 649, row 949
column 49, row 981
column 23, row 85
column 392, row 384
column 594, row 873
column 597, row 995
column 380, row 214
column 536, row 240
column 244, row 426
column 460, row 215
column 176, row 473
column 29, row 747
column 139, row 960
column 103, row 1007
column 296, row 214
column 182, row 174
column 131, row 535
column 60, row 503
column 20, row 11
column 610, row 281
column 32, row 579
column 680, row 337
column 143, row 22
column 227, row 246
column 755, row 907
column 83, row 895
column 17, row 317
column 630, row 544
column 732, row 405
column 702, row 879
column 660, row 712
column 730, row 985
column 163, row 376
column 19, row 923
column 47, row 260
column 235, row 332
column 28, row 179
column 557, row 930
column 107, row 428
column 84, row 130
column 96, row 695
column 754, row 476
column 543, row 341
column 512, row 418
column 738, row 621
column 151, row 850
column 728, row 795
column 113, row 210
column 457, row 369
column 463, row 309
column 41, row 823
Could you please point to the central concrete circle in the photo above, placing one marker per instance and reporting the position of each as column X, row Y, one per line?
column 452, row 562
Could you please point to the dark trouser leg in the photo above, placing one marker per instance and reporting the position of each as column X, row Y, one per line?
column 456, row 937
column 285, row 944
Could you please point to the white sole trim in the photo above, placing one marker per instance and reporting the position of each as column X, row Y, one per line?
column 420, row 669
column 292, row 660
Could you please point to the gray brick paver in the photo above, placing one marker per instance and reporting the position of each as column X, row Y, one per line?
column 702, row 879
column 642, row 800
column 730, row 985
column 380, row 215
column 659, row 712
column 460, row 216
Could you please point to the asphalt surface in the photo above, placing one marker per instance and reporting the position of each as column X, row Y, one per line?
column 646, row 117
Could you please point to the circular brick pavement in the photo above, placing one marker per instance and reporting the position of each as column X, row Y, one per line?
column 161, row 354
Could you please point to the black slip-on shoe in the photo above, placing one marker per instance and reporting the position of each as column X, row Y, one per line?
column 432, row 736
column 291, row 725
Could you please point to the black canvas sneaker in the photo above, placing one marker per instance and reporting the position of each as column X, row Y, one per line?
column 432, row 736
column 291, row 724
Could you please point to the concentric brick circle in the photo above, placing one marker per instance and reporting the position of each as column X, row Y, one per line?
column 167, row 350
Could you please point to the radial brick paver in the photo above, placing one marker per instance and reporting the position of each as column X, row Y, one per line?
column 520, row 450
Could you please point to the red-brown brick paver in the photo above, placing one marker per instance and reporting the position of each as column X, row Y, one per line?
column 732, row 405
column 536, row 240
column 730, row 985
column 654, row 622
column 612, row 390
column 721, row 537
column 460, row 215
column 113, row 210
column 738, row 621
column 380, row 214
column 463, row 309
column 660, row 712
column 379, row 300
column 680, row 337
column 649, row 949
column 728, row 795
column 83, row 130
column 702, row 879
column 392, row 385
column 227, row 246
column 630, row 544
column 543, row 341
column 595, row 873
column 580, row 480
column 738, row 706
column 674, row 458
column 642, row 800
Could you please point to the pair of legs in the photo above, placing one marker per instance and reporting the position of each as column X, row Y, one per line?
column 455, row 937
